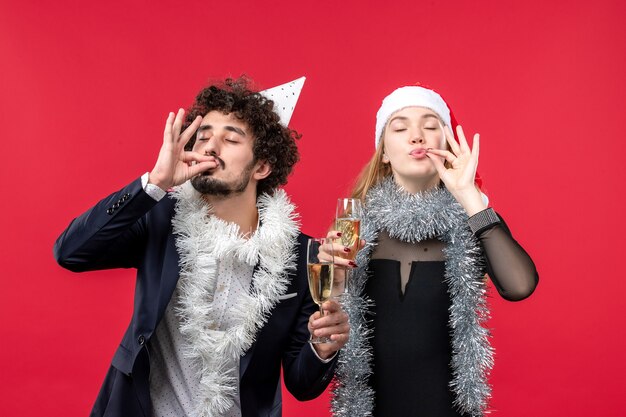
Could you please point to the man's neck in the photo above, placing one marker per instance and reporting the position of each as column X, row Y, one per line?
column 240, row 209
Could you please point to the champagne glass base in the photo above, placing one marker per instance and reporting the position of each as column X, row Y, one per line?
column 320, row 340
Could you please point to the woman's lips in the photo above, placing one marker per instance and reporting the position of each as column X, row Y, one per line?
column 418, row 153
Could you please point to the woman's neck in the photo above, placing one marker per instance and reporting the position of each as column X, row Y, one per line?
column 417, row 185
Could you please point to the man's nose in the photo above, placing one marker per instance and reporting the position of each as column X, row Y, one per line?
column 210, row 146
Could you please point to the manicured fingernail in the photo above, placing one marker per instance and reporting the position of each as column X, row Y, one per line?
column 339, row 234
column 352, row 264
column 346, row 249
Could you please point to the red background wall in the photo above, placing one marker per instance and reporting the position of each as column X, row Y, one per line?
column 85, row 88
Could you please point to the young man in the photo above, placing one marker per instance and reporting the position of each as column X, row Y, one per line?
column 221, row 297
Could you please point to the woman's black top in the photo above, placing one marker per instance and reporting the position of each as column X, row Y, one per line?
column 412, row 338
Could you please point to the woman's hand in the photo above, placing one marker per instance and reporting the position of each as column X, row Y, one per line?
column 343, row 259
column 174, row 165
column 341, row 254
column 459, row 177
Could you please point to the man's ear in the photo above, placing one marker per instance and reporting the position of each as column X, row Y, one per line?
column 261, row 170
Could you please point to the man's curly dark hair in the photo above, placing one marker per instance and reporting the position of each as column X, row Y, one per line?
column 273, row 142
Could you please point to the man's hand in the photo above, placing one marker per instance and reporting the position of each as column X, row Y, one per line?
column 174, row 166
column 334, row 325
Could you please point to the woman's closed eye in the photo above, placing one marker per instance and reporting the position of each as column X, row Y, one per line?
column 431, row 127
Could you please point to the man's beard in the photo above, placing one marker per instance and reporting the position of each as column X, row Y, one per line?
column 206, row 184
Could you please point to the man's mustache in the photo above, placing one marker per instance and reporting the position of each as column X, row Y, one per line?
column 218, row 159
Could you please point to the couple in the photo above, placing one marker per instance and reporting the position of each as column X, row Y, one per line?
column 221, row 297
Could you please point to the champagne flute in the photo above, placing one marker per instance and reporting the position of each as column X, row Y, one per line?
column 348, row 222
column 320, row 273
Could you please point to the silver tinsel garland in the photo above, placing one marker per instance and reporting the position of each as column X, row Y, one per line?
column 413, row 218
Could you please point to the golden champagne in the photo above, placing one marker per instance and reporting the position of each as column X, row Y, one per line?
column 320, row 281
column 349, row 229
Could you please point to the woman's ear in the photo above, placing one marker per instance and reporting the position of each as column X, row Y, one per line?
column 385, row 159
column 261, row 170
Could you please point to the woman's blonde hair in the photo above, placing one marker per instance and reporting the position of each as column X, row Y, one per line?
column 374, row 172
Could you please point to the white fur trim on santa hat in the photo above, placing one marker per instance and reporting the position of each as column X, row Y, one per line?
column 285, row 97
column 411, row 96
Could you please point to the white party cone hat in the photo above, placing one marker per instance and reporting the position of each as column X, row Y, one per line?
column 285, row 97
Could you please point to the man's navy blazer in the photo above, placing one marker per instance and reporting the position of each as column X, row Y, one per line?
column 129, row 229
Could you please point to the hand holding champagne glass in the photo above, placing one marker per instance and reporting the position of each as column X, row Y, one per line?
column 320, row 273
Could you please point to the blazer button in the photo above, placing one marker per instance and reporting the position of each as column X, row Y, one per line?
column 141, row 340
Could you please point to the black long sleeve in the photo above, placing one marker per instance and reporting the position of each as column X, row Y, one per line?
column 510, row 268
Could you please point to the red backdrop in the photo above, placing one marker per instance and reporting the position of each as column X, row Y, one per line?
column 85, row 90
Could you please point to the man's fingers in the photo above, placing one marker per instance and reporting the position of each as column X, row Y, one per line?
column 201, row 167
column 327, row 326
column 191, row 156
column 331, row 306
column 178, row 124
column 167, row 132
column 191, row 130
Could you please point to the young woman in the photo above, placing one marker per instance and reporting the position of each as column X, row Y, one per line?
column 417, row 299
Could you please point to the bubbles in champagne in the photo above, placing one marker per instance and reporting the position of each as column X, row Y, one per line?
column 320, row 281
column 349, row 229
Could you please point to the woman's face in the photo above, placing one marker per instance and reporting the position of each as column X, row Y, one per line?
column 409, row 132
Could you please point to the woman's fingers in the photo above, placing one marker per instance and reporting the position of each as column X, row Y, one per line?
column 438, row 163
column 476, row 146
column 325, row 256
column 462, row 141
column 333, row 234
column 447, row 155
column 451, row 142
